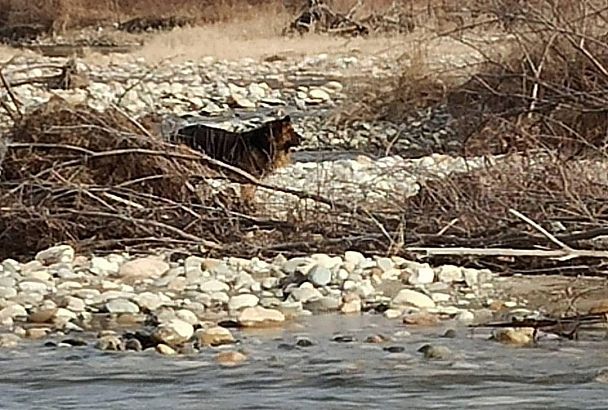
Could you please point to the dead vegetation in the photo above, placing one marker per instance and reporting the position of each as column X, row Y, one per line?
column 543, row 105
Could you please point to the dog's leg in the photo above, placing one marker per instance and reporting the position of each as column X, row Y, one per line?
column 248, row 194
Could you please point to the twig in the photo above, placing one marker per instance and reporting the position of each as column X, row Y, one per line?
column 542, row 230
column 558, row 254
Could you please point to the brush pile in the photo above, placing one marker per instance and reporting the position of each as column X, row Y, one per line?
column 317, row 16
column 74, row 174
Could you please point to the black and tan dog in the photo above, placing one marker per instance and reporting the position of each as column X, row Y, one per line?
column 258, row 151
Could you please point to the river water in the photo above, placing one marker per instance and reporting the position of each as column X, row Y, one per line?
column 327, row 375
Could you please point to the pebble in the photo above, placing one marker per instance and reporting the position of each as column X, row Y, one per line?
column 111, row 343
column 319, row 275
column 56, row 254
column 165, row 350
column 413, row 298
column 435, row 352
column 8, row 341
column 260, row 317
column 121, row 306
column 214, row 336
column 214, row 286
column 420, row 319
column 514, row 336
column 230, row 359
column 147, row 267
column 174, row 332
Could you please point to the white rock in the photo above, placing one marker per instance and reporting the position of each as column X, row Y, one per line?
column 392, row 313
column 413, row 298
column 34, row 287
column 121, row 306
column 65, row 314
column 305, row 294
column 56, row 254
column 104, row 267
column 214, row 336
column 450, row 274
column 214, row 285
column 150, row 301
column 319, row 275
column 187, row 316
column 422, row 274
column 174, row 332
column 465, row 316
column 75, row 304
column 245, row 300
column 13, row 311
column 440, row 297
column 319, row 94
column 7, row 292
column 260, row 317
column 221, row 297
column 148, row 267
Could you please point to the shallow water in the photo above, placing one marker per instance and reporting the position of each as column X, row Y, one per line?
column 328, row 375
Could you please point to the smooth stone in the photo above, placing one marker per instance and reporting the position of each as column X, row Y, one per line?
column 110, row 343
column 420, row 319
column 260, row 317
column 37, row 333
column 514, row 336
column 354, row 257
column 104, row 267
column 392, row 313
column 319, row 275
column 440, row 297
column 319, row 94
column 230, row 359
column 385, row 264
column 422, row 274
column 450, row 274
column 121, row 306
column 9, row 341
column 165, row 350
column 13, row 311
column 324, row 304
column 242, row 301
column 44, row 313
column 435, row 352
column 187, row 316
column 214, row 286
column 413, row 298
column 7, row 293
column 174, row 332
column 34, row 287
column 352, row 304
column 305, row 294
column 214, row 336
column 56, row 254
column 150, row 301
column 465, row 316
column 147, row 267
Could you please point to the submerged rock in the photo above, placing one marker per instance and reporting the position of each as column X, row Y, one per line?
column 214, row 336
column 522, row 336
column 230, row 359
column 435, row 352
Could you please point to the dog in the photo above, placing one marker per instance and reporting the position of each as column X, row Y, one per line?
column 259, row 151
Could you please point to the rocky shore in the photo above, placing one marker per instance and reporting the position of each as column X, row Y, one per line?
column 122, row 302
column 180, row 304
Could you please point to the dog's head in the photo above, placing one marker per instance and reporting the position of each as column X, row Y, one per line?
column 285, row 136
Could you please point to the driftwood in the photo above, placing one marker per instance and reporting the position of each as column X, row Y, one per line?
column 567, row 326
